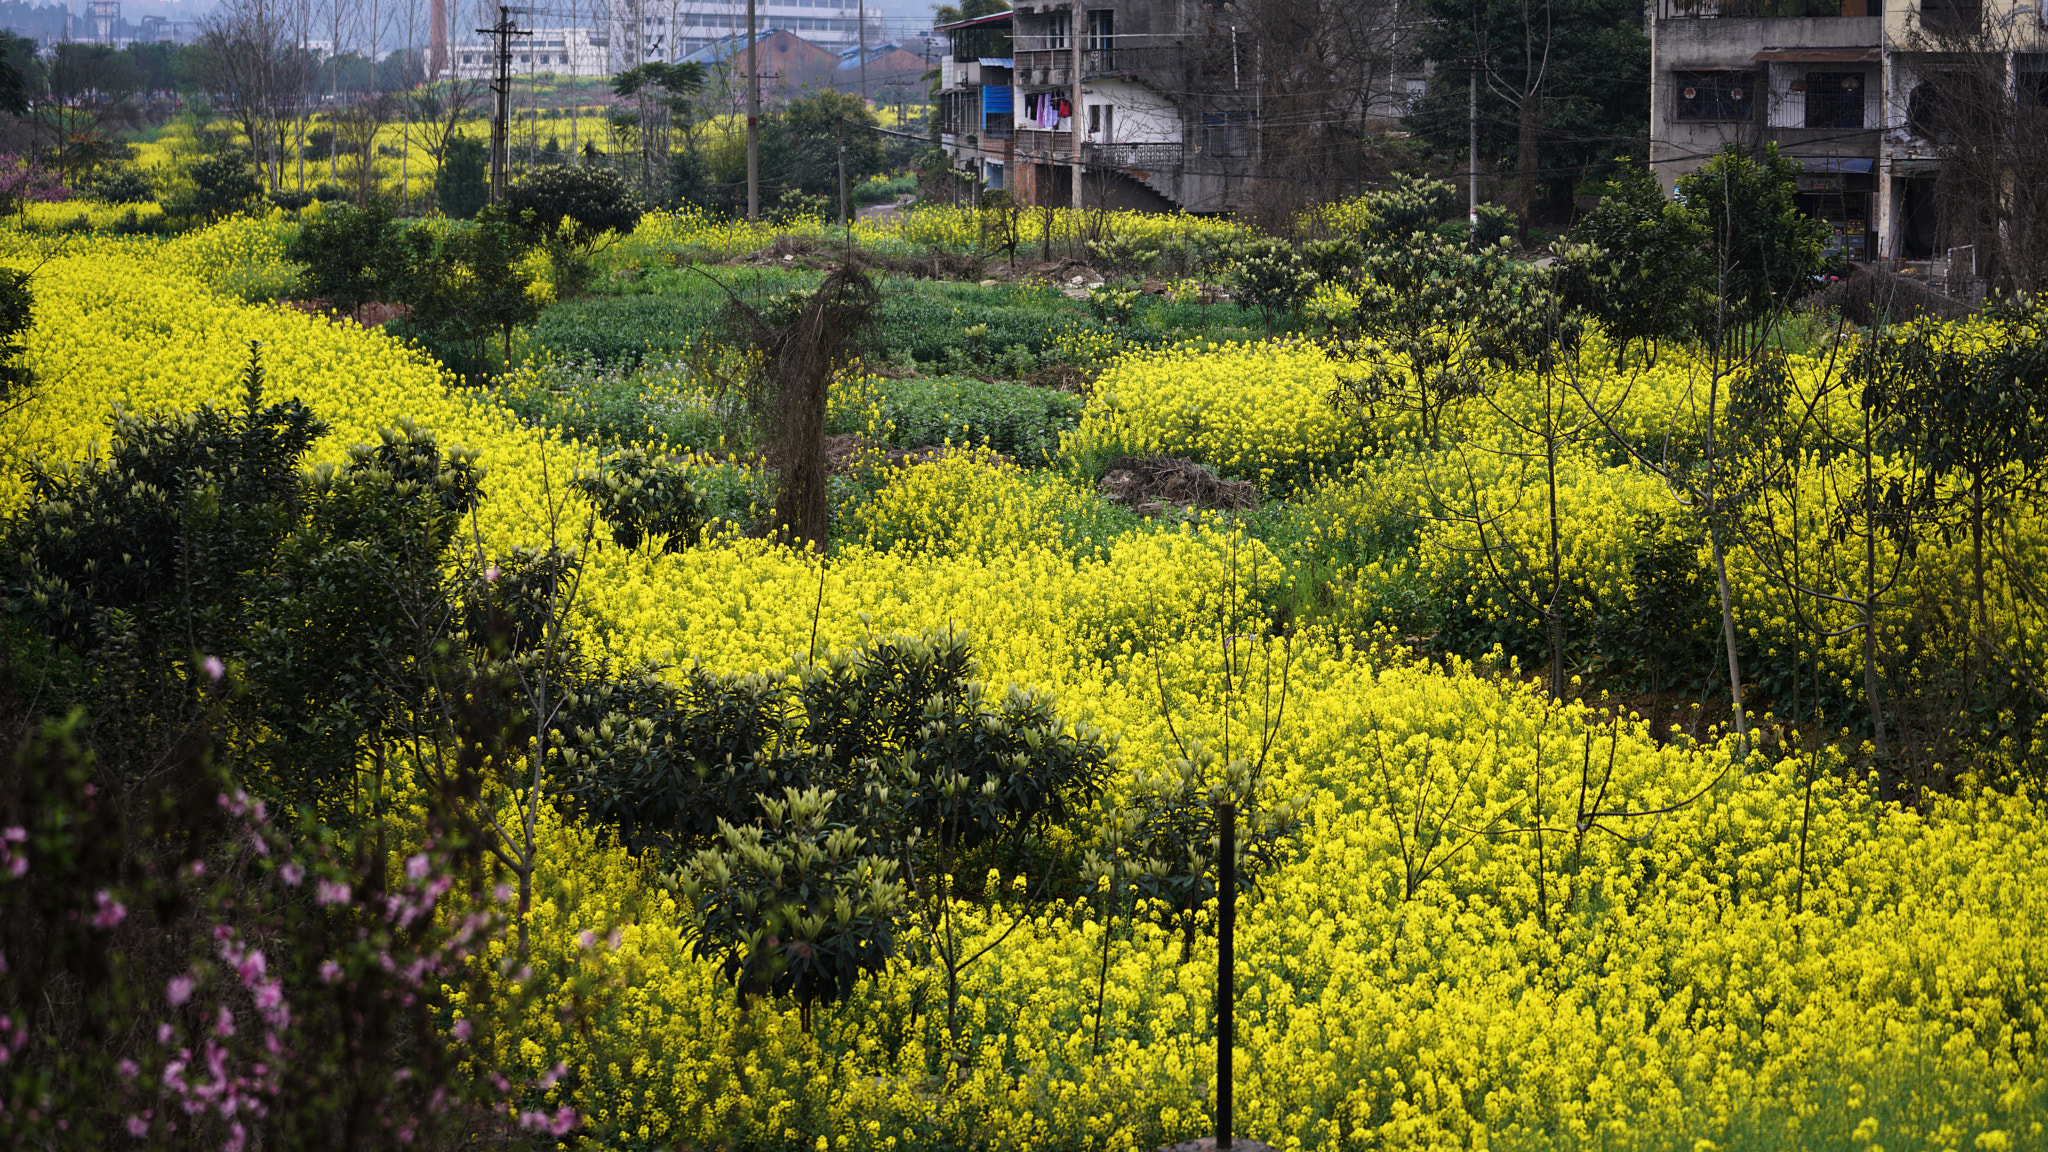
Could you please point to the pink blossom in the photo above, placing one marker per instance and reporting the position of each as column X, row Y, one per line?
column 13, row 834
column 461, row 1029
column 215, row 669
column 329, row 971
column 111, row 912
column 586, row 941
column 127, row 1068
column 292, row 874
column 491, row 574
column 163, row 1031
column 416, row 867
column 198, row 868
column 18, row 867
column 224, row 1023
column 138, row 1127
column 331, row 892
column 179, row 990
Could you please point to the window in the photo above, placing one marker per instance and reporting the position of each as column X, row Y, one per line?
column 1834, row 99
column 1102, row 122
column 1713, row 95
column 1102, row 37
column 1951, row 15
column 1225, row 133
column 1059, row 30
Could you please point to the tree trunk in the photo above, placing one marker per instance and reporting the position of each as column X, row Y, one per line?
column 1528, row 121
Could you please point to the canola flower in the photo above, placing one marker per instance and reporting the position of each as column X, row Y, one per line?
column 1452, row 956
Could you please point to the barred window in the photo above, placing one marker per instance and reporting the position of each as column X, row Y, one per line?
column 1714, row 95
column 1834, row 99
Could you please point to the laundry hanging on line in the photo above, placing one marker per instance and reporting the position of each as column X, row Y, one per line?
column 1047, row 109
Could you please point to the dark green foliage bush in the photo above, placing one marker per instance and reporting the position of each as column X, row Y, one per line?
column 902, row 713
column 200, row 535
column 17, row 312
column 463, row 289
column 462, row 185
column 352, row 256
column 122, row 185
column 643, row 495
column 1268, row 274
column 584, row 202
column 222, row 184
column 1410, row 204
column 1021, row 422
column 919, row 319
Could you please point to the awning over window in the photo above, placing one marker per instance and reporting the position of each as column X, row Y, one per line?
column 1818, row 55
column 997, row 61
column 995, row 99
column 1833, row 164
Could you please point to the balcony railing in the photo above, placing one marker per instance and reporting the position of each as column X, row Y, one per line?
column 1795, row 9
column 1146, row 157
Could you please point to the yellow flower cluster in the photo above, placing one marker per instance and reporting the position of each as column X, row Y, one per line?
column 88, row 216
column 1257, row 411
column 1504, row 924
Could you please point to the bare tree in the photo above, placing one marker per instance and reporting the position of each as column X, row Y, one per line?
column 1971, row 95
column 254, row 63
column 355, row 134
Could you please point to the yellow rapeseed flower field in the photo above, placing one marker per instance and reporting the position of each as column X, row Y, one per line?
column 1507, row 924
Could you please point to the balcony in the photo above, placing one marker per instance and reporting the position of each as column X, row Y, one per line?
column 1765, row 9
column 1144, row 157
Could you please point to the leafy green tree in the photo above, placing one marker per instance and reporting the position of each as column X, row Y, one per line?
column 817, row 125
column 352, row 256
column 201, row 537
column 569, row 211
column 462, row 185
column 1559, row 82
column 1641, row 263
column 1970, row 403
column 468, row 287
column 1762, row 252
column 1432, row 321
column 580, row 204
column 223, row 184
column 689, row 180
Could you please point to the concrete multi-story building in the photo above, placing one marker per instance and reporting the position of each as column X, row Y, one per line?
column 561, row 51
column 1178, row 102
column 1841, row 86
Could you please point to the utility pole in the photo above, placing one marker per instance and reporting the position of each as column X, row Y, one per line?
column 1472, row 128
column 1074, row 121
column 845, row 218
column 753, row 124
column 501, row 85
column 862, row 12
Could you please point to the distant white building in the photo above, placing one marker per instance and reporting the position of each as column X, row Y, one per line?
column 669, row 30
column 563, row 51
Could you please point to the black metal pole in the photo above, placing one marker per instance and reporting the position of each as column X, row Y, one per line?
column 1226, row 963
